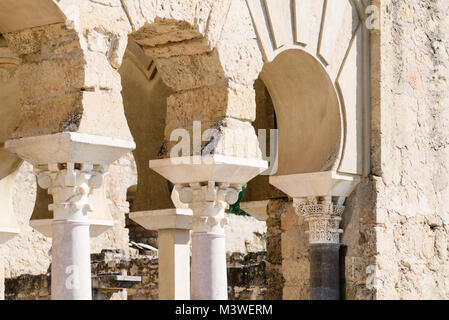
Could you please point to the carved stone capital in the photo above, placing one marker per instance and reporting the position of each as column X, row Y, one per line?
column 324, row 217
column 208, row 201
column 70, row 184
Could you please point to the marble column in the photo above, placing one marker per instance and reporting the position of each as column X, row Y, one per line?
column 208, row 184
column 71, row 166
column 208, row 201
column 70, row 185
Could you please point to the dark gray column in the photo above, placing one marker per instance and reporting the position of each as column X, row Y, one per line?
column 324, row 271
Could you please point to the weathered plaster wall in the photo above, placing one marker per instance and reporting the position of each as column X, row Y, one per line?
column 411, row 167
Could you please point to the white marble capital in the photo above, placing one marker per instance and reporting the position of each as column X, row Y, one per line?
column 208, row 201
column 70, row 166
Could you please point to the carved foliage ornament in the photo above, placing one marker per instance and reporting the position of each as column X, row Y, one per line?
column 323, row 217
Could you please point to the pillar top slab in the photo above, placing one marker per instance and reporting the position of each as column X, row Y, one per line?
column 329, row 183
column 163, row 219
column 216, row 168
column 70, row 147
column 256, row 209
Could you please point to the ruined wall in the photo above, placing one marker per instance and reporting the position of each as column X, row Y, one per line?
column 395, row 241
column 246, row 277
column 411, row 157
column 245, row 234
column 295, row 254
column 275, row 279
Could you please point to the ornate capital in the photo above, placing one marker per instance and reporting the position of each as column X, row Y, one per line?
column 323, row 216
column 208, row 201
column 70, row 184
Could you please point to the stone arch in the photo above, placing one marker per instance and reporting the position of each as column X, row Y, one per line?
column 303, row 34
column 197, row 48
column 191, row 46
column 14, row 17
column 72, row 55
column 202, row 63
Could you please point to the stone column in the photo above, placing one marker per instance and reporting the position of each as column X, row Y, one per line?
column 208, row 184
column 319, row 197
column 173, row 226
column 70, row 165
column 208, row 201
column 324, row 218
column 70, row 185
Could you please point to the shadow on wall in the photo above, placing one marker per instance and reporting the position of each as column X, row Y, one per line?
column 145, row 101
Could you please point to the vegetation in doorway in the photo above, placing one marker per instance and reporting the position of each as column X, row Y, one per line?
column 235, row 208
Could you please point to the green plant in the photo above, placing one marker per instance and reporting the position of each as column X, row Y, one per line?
column 235, row 208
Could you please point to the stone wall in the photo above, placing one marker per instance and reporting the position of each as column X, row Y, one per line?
column 395, row 240
column 275, row 279
column 244, row 234
column 410, row 158
column 295, row 254
column 246, row 277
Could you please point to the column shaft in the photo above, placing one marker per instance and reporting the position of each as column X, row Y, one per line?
column 70, row 268
column 324, row 271
column 209, row 277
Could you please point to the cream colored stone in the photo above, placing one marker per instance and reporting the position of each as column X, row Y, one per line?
column 245, row 234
